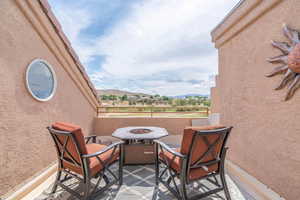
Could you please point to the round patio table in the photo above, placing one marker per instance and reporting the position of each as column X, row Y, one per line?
column 140, row 133
column 139, row 146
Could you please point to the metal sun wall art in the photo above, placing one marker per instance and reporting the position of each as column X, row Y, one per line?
column 290, row 60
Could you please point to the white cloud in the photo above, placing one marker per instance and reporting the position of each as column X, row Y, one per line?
column 163, row 35
column 74, row 18
column 170, row 37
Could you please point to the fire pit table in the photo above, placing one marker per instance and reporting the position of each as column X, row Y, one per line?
column 139, row 146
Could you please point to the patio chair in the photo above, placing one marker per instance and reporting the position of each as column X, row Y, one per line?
column 200, row 157
column 84, row 161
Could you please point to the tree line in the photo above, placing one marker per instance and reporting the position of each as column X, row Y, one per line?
column 155, row 100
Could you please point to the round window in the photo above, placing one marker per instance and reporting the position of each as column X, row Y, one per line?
column 40, row 80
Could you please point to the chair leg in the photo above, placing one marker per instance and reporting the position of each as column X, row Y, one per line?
column 120, row 172
column 121, row 163
column 87, row 183
column 183, row 190
column 156, row 173
column 156, row 165
column 223, row 179
column 58, row 175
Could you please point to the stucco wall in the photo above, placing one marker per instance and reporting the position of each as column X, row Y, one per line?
column 215, row 100
column 266, row 134
column 25, row 145
column 215, row 97
column 175, row 126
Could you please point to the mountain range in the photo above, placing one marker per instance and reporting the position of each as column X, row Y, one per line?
column 190, row 95
column 122, row 92
column 119, row 92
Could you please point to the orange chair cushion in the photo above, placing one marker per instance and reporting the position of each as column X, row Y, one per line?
column 194, row 173
column 165, row 155
column 76, row 131
column 71, row 151
column 200, row 149
column 94, row 165
column 201, row 146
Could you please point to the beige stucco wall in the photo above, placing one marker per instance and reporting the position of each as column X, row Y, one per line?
column 25, row 145
column 266, row 135
column 215, row 100
column 175, row 126
column 215, row 97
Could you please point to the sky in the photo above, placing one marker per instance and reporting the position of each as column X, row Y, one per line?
column 150, row 46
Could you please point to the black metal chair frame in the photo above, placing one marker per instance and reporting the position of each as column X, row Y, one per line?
column 180, row 191
column 62, row 151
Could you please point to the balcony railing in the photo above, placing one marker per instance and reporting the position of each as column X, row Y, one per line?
column 153, row 111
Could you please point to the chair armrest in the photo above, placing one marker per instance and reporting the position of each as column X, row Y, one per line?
column 90, row 137
column 170, row 150
column 114, row 145
column 224, row 152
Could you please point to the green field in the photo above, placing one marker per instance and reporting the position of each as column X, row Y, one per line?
column 148, row 111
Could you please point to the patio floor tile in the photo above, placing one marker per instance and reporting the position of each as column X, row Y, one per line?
column 138, row 184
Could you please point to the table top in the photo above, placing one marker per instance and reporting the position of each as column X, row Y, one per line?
column 140, row 133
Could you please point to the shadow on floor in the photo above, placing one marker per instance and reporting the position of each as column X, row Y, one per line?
column 138, row 184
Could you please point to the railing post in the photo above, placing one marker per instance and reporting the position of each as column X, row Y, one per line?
column 207, row 111
column 151, row 110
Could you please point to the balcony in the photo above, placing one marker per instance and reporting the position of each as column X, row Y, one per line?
column 263, row 160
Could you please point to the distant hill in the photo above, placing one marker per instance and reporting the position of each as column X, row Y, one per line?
column 122, row 92
column 189, row 95
column 119, row 93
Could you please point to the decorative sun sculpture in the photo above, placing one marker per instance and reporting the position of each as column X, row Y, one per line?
column 290, row 59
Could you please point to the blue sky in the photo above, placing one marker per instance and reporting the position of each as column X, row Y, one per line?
column 151, row 46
